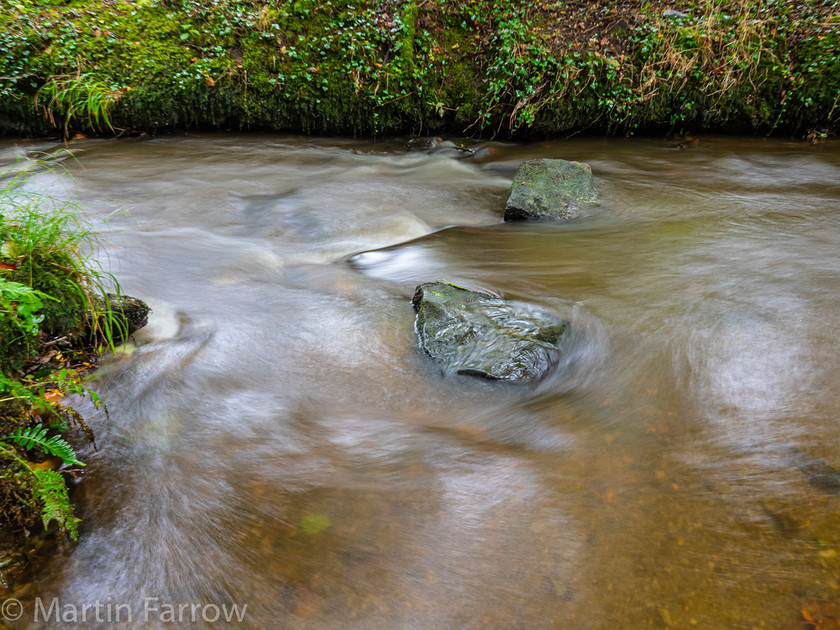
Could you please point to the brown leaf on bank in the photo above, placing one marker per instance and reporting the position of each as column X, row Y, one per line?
column 54, row 396
column 209, row 81
column 51, row 463
column 822, row 615
column 8, row 266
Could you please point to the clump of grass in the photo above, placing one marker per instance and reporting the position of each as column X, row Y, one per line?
column 45, row 244
column 70, row 97
column 706, row 61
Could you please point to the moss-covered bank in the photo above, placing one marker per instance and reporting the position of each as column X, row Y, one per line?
column 53, row 319
column 467, row 66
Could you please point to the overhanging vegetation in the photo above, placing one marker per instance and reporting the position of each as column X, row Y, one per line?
column 508, row 67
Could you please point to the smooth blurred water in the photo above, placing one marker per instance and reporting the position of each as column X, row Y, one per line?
column 649, row 481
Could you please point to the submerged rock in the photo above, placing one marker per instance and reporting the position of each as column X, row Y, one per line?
column 467, row 332
column 549, row 190
column 428, row 143
column 438, row 145
column 819, row 474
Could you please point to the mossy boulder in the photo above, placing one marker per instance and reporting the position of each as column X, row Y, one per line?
column 546, row 190
column 118, row 317
column 468, row 332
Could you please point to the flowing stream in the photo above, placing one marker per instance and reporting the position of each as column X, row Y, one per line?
column 277, row 441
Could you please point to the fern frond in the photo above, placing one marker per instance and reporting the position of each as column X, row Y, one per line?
column 55, row 445
column 49, row 487
column 30, row 436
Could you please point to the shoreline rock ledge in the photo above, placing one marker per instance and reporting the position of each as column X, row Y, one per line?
column 479, row 334
column 550, row 190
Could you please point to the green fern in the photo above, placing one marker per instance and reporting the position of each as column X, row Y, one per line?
column 55, row 445
column 49, row 487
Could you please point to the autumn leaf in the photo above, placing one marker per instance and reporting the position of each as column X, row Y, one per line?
column 54, row 396
column 823, row 615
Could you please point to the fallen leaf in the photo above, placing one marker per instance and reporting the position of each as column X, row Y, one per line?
column 823, row 615
column 54, row 396
column 209, row 81
column 48, row 464
column 314, row 523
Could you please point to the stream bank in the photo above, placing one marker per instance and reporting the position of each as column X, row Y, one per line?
column 54, row 324
column 508, row 68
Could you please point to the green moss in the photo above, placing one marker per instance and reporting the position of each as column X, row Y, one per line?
column 64, row 313
column 509, row 67
column 19, row 507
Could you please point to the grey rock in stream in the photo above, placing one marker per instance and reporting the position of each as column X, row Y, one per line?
column 467, row 332
column 549, row 190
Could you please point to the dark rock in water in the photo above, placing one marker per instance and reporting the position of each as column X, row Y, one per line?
column 438, row 145
column 428, row 143
column 819, row 474
column 467, row 332
column 549, row 190
column 121, row 316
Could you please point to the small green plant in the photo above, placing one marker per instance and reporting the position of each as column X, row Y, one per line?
column 21, row 304
column 68, row 98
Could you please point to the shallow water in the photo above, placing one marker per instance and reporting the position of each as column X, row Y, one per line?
column 278, row 442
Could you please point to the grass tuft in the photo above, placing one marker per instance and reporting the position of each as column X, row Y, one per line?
column 68, row 98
